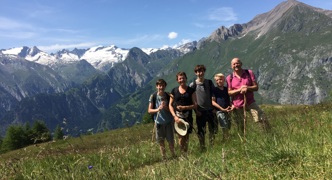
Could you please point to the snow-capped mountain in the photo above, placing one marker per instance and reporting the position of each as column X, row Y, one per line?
column 100, row 57
column 31, row 54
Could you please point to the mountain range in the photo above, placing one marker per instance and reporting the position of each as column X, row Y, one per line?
column 100, row 57
column 289, row 49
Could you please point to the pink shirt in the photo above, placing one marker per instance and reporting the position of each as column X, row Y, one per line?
column 245, row 79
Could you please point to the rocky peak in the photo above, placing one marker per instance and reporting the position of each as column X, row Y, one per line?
column 224, row 33
column 262, row 23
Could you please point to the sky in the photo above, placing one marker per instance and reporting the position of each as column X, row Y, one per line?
column 53, row 25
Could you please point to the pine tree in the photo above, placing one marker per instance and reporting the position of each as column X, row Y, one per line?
column 40, row 132
column 58, row 134
column 29, row 134
column 15, row 138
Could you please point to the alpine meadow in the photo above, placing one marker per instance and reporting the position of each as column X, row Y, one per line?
column 299, row 147
column 89, row 120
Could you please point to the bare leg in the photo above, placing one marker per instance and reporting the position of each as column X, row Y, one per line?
column 162, row 149
column 186, row 143
column 225, row 133
column 171, row 148
column 183, row 142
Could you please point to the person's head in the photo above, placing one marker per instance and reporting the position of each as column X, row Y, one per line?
column 220, row 79
column 200, row 70
column 161, row 85
column 236, row 64
column 181, row 77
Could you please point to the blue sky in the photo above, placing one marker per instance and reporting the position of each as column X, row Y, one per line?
column 52, row 25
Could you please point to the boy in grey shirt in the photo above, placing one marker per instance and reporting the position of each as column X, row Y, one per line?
column 204, row 112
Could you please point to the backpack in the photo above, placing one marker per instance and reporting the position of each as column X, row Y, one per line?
column 207, row 84
column 154, row 99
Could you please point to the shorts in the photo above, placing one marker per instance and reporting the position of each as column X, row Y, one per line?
column 224, row 119
column 165, row 131
column 256, row 112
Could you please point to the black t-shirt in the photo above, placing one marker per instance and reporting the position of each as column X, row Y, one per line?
column 222, row 97
column 182, row 99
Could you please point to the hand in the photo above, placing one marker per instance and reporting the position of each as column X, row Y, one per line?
column 176, row 119
column 161, row 106
column 229, row 108
column 180, row 108
column 244, row 89
column 223, row 110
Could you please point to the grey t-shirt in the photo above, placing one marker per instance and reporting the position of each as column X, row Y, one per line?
column 204, row 94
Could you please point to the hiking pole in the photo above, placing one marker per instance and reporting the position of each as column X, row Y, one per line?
column 154, row 126
column 244, row 116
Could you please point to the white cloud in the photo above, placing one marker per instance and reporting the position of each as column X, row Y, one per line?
column 223, row 14
column 172, row 35
column 9, row 24
column 57, row 47
column 13, row 35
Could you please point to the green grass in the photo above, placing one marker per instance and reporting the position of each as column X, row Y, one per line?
column 300, row 147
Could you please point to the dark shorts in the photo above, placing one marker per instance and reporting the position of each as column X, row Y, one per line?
column 165, row 131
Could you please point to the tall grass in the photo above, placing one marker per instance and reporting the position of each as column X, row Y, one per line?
column 299, row 147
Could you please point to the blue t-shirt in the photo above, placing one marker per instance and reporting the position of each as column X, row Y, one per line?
column 164, row 116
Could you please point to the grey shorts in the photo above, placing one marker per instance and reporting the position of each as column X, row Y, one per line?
column 165, row 131
column 224, row 119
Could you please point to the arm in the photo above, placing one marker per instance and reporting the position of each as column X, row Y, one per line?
column 171, row 108
column 151, row 110
column 243, row 89
column 233, row 92
column 216, row 105
column 189, row 107
column 194, row 99
column 246, row 88
column 253, row 86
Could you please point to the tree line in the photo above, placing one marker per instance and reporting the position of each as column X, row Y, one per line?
column 19, row 136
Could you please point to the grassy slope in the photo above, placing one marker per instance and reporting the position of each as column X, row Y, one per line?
column 300, row 147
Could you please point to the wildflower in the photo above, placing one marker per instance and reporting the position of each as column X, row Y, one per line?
column 90, row 167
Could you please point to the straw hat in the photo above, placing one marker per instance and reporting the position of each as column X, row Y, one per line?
column 181, row 127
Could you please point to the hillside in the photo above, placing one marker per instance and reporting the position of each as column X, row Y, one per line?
column 298, row 148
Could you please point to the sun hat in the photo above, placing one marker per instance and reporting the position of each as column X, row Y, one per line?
column 181, row 127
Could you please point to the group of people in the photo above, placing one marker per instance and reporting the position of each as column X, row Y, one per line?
column 211, row 104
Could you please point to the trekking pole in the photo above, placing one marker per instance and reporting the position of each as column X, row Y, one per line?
column 154, row 126
column 244, row 116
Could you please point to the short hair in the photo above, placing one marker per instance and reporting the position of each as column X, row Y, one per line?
column 181, row 73
column 161, row 82
column 219, row 75
column 200, row 67
column 236, row 58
